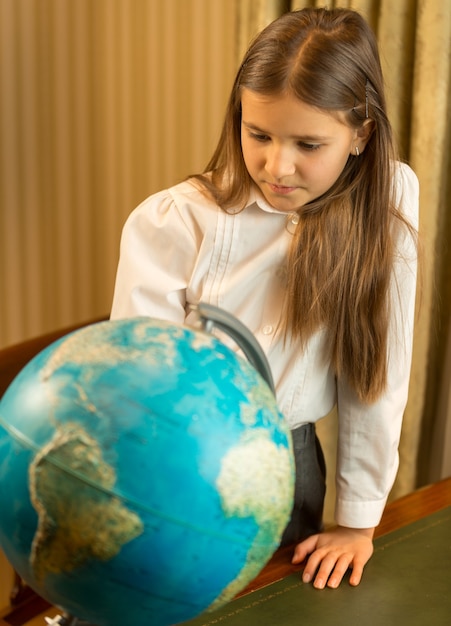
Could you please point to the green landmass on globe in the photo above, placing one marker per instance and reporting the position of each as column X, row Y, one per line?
column 76, row 522
column 252, row 472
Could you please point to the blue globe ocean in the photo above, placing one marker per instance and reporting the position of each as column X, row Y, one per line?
column 146, row 474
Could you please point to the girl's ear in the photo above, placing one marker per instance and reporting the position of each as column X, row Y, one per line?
column 363, row 134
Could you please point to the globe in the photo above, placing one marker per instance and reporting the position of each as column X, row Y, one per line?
column 146, row 473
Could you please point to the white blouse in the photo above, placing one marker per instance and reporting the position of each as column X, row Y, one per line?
column 178, row 248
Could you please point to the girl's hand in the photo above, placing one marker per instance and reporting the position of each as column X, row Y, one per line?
column 332, row 553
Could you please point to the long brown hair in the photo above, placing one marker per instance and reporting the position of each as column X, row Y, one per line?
column 342, row 254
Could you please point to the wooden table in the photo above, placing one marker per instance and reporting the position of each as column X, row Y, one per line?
column 399, row 513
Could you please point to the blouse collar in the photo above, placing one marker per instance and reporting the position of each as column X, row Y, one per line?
column 256, row 197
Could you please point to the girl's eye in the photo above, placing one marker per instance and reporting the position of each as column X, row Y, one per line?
column 309, row 147
column 258, row 137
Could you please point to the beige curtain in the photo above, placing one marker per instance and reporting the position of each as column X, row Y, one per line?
column 102, row 102
column 415, row 44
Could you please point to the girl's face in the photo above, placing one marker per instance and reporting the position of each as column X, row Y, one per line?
column 293, row 152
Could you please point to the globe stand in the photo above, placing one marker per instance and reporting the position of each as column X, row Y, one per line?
column 66, row 620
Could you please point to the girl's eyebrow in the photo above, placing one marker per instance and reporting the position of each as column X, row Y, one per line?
column 305, row 138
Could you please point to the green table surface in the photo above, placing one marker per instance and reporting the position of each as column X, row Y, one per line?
column 407, row 581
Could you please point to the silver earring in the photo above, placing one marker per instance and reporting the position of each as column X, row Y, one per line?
column 357, row 151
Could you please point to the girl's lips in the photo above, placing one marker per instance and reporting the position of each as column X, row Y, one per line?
column 281, row 189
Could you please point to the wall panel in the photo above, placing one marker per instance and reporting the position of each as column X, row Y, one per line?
column 102, row 102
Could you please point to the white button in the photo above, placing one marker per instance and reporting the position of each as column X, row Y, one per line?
column 294, row 218
column 267, row 330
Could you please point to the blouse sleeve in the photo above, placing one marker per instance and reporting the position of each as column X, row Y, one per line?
column 154, row 264
column 369, row 435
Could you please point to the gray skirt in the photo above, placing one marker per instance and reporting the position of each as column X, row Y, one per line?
column 310, row 486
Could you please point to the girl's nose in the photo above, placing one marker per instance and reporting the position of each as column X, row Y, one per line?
column 280, row 162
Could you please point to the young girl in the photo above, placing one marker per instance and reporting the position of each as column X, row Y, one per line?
column 303, row 227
